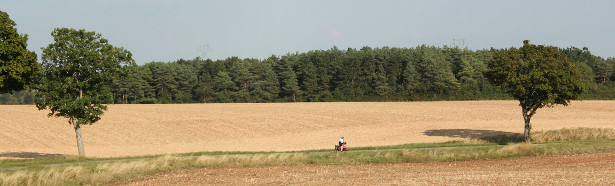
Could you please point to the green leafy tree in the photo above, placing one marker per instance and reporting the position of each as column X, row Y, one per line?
column 149, row 91
column 266, row 87
column 18, row 65
column 78, row 69
column 347, row 75
column 611, row 61
column 163, row 80
column 395, row 64
column 603, row 71
column 224, row 86
column 411, row 80
column 537, row 76
column 186, row 78
column 204, row 90
column 436, row 76
column 470, row 75
column 310, row 81
column 243, row 78
column 290, row 86
column 134, row 84
column 380, row 81
column 269, row 75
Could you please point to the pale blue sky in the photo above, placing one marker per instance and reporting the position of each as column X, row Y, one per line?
column 167, row 30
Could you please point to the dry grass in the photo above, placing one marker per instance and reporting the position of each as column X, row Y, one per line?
column 52, row 176
column 520, row 148
column 572, row 134
column 559, row 135
column 105, row 172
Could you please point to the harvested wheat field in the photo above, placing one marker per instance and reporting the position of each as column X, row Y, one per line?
column 130, row 130
column 589, row 169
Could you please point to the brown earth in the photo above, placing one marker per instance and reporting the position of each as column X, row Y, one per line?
column 588, row 169
column 130, row 130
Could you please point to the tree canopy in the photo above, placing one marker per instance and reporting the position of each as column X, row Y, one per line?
column 18, row 65
column 77, row 72
column 421, row 73
column 537, row 76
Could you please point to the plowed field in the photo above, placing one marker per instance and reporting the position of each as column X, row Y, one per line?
column 589, row 169
column 129, row 130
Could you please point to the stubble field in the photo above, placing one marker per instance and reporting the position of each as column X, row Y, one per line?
column 131, row 130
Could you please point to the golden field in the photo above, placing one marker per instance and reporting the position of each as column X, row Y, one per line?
column 131, row 130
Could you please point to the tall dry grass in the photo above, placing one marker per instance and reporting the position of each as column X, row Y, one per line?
column 559, row 135
column 106, row 172
column 422, row 155
column 519, row 148
column 52, row 176
column 573, row 134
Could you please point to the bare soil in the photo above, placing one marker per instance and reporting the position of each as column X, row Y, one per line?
column 131, row 130
column 588, row 169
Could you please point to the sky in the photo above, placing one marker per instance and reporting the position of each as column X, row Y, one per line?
column 168, row 30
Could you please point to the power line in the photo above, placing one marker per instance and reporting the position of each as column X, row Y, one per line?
column 456, row 43
column 203, row 49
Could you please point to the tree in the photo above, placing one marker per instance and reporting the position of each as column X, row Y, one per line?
column 611, row 61
column 436, row 76
column 470, row 75
column 603, row 72
column 243, row 78
column 224, row 86
column 186, row 78
column 309, row 81
column 134, row 84
column 204, row 90
column 537, row 76
column 380, row 81
column 149, row 91
column 411, row 79
column 289, row 85
column 266, row 87
column 163, row 80
column 78, row 69
column 18, row 65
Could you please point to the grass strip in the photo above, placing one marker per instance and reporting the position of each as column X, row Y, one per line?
column 43, row 162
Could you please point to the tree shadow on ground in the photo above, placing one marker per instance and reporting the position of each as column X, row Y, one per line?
column 30, row 155
column 492, row 136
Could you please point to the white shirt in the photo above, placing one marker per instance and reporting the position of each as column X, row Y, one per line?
column 341, row 140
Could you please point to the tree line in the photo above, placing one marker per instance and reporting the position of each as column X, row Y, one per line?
column 367, row 74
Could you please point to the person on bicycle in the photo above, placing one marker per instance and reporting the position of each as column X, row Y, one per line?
column 341, row 141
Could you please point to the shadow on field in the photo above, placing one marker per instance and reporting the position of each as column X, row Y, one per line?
column 492, row 136
column 29, row 155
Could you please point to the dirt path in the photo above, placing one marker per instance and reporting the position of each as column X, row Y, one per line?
column 133, row 130
column 589, row 169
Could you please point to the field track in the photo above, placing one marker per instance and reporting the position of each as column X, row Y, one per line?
column 587, row 169
column 130, row 130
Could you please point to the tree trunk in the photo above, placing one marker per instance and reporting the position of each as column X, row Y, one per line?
column 528, row 127
column 294, row 97
column 78, row 131
column 79, row 140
